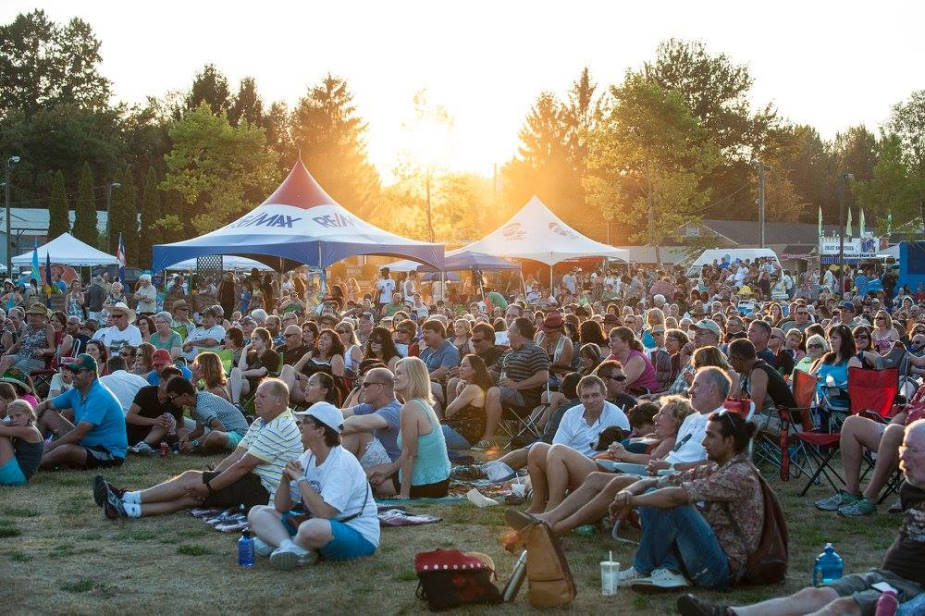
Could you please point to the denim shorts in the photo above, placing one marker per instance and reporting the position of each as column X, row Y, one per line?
column 11, row 474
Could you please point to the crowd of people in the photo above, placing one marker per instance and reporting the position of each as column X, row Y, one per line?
column 323, row 402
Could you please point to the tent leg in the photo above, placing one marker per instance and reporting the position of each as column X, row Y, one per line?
column 552, row 292
column 523, row 284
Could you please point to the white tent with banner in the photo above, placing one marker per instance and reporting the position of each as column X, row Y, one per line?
column 67, row 250
column 536, row 233
column 299, row 224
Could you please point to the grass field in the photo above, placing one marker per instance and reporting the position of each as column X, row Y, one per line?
column 59, row 555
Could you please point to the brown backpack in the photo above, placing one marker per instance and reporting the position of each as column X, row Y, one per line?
column 768, row 563
column 548, row 574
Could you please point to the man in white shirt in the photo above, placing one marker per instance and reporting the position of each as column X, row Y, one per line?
column 385, row 286
column 207, row 337
column 564, row 464
column 410, row 287
column 591, row 501
column 124, row 385
column 120, row 331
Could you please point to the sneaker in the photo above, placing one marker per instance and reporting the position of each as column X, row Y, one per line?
column 262, row 548
column 662, row 579
column 143, row 449
column 689, row 605
column 628, row 575
column 860, row 507
column 836, row 501
column 113, row 507
column 288, row 558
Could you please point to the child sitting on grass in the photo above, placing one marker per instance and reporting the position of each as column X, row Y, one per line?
column 21, row 444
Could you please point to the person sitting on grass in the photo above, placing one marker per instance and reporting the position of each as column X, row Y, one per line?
column 682, row 544
column 220, row 426
column 371, row 428
column 565, row 464
column 674, row 410
column 21, row 444
column 151, row 417
column 324, row 505
column 902, row 569
column 247, row 477
column 96, row 438
column 423, row 469
column 258, row 360
column 464, row 421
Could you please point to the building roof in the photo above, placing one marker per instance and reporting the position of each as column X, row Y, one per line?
column 33, row 220
column 747, row 232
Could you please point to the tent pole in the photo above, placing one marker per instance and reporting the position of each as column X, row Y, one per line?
column 523, row 284
column 323, row 283
column 552, row 292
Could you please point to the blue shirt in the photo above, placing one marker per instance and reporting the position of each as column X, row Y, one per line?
column 446, row 356
column 155, row 379
column 391, row 413
column 101, row 408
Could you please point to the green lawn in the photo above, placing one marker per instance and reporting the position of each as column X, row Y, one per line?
column 58, row 554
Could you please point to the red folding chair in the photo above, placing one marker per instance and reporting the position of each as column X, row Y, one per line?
column 803, row 386
column 868, row 390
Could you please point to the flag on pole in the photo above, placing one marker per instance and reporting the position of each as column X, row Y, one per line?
column 820, row 222
column 848, row 224
column 120, row 255
column 48, row 286
column 36, row 276
column 861, row 224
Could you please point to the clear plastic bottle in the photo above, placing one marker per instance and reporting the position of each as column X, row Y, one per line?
column 829, row 566
column 246, row 549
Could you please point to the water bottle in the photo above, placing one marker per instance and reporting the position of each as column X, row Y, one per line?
column 829, row 566
column 886, row 604
column 246, row 550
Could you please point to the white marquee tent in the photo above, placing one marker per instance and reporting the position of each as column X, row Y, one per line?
column 67, row 250
column 536, row 233
column 229, row 262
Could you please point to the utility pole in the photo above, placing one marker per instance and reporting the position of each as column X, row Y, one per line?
column 12, row 160
column 761, row 202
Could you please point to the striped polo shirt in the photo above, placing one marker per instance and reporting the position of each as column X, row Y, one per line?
column 276, row 443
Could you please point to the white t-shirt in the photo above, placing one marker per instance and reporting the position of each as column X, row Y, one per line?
column 385, row 286
column 124, row 385
column 688, row 446
column 148, row 301
column 342, row 484
column 216, row 332
column 115, row 339
column 576, row 433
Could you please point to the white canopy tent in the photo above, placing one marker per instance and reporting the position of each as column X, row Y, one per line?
column 536, row 233
column 721, row 254
column 229, row 262
column 67, row 250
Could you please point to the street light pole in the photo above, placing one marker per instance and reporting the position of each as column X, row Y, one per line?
column 843, row 195
column 12, row 160
column 109, row 188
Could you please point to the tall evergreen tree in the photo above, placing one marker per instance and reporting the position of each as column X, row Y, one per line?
column 332, row 139
column 210, row 86
column 151, row 232
column 58, row 222
column 247, row 104
column 85, row 210
column 123, row 218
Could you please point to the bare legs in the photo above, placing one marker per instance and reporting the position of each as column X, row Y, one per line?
column 816, row 601
column 553, row 470
column 237, row 385
column 857, row 433
column 588, row 504
column 172, row 495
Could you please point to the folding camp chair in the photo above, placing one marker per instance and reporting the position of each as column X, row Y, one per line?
column 875, row 392
column 780, row 450
column 868, row 390
column 522, row 425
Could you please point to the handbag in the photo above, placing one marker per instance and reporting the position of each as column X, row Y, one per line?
column 450, row 578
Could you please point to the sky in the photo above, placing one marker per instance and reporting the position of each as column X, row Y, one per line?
column 829, row 64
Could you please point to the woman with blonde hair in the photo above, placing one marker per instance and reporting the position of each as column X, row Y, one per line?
column 816, row 347
column 144, row 359
column 423, row 469
column 884, row 335
column 209, row 370
column 712, row 356
column 21, row 444
column 672, row 412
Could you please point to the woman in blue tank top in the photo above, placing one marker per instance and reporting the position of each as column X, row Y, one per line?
column 423, row 469
column 21, row 444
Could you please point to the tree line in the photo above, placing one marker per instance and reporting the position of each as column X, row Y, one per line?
column 673, row 142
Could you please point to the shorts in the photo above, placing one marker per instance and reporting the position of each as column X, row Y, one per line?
column 859, row 586
column 374, row 455
column 347, row 543
column 247, row 491
column 11, row 474
column 233, row 439
column 100, row 457
column 427, row 490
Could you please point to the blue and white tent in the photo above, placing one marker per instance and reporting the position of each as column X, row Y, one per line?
column 299, row 224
